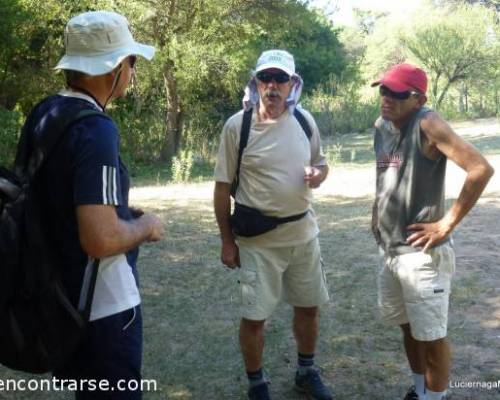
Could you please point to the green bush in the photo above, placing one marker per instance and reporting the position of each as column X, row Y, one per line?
column 141, row 131
column 338, row 109
column 10, row 128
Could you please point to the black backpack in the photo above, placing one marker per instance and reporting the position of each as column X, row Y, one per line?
column 39, row 327
column 244, row 133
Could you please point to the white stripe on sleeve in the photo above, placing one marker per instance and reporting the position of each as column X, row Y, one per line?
column 104, row 184
column 114, row 187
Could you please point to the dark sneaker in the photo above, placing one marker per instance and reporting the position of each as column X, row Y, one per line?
column 411, row 395
column 259, row 392
column 310, row 384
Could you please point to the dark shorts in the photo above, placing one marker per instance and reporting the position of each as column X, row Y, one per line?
column 112, row 352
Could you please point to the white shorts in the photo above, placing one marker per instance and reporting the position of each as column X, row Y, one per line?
column 414, row 288
column 268, row 275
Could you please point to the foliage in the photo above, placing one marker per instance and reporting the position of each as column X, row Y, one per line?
column 453, row 45
column 338, row 108
column 206, row 50
column 10, row 129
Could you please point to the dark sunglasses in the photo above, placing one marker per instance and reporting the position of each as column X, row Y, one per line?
column 278, row 77
column 385, row 92
column 132, row 60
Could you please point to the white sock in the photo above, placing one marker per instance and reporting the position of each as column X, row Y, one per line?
column 419, row 382
column 434, row 395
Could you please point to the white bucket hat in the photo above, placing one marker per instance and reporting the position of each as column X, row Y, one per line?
column 279, row 59
column 97, row 41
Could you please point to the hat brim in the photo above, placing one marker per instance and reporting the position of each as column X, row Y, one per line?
column 102, row 64
column 395, row 86
column 277, row 66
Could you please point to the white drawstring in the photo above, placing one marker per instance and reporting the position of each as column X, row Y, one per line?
column 130, row 322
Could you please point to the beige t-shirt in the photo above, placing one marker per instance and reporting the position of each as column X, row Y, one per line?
column 272, row 174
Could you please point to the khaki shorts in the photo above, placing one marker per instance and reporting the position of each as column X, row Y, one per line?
column 268, row 275
column 414, row 288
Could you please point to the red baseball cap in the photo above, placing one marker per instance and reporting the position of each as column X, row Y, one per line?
column 403, row 78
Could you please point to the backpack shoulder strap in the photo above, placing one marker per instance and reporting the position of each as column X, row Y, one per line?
column 303, row 122
column 244, row 133
column 49, row 142
column 31, row 153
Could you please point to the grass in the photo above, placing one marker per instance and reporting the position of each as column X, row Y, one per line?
column 191, row 314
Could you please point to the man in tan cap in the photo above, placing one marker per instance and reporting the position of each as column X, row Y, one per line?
column 272, row 152
column 83, row 186
column 412, row 145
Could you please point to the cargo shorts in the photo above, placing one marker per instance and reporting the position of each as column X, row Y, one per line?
column 292, row 274
column 414, row 289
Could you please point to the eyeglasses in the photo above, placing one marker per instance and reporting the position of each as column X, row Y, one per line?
column 278, row 77
column 385, row 92
column 131, row 61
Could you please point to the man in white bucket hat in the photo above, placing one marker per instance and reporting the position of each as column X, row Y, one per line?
column 84, row 188
column 272, row 235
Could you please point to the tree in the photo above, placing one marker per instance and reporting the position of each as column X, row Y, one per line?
column 206, row 49
column 453, row 45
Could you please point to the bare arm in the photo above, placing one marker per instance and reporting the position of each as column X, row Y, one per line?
column 441, row 136
column 222, row 208
column 375, row 231
column 102, row 233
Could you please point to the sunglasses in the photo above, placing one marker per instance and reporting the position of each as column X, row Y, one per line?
column 132, row 60
column 385, row 92
column 278, row 77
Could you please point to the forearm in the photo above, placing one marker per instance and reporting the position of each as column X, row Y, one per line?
column 103, row 234
column 131, row 234
column 474, row 185
column 374, row 223
column 222, row 209
column 118, row 239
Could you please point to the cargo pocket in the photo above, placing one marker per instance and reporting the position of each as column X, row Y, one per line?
column 247, row 282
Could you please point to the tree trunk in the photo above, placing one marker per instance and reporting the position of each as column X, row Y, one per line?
column 466, row 98
column 496, row 101
column 461, row 99
column 172, row 115
column 435, row 89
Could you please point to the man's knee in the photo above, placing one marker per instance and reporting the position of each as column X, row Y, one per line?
column 436, row 346
column 252, row 327
column 306, row 312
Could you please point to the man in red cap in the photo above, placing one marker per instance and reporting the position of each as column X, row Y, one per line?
column 412, row 145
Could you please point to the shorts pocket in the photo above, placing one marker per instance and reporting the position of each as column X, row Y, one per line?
column 247, row 282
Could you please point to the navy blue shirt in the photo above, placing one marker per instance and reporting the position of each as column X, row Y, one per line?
column 83, row 169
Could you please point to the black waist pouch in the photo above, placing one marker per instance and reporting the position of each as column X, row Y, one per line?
column 247, row 221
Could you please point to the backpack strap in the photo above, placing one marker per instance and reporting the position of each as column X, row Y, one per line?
column 244, row 133
column 303, row 122
column 30, row 157
column 45, row 145
column 89, row 297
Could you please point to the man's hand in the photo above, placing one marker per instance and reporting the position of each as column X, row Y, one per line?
column 155, row 226
column 314, row 176
column 230, row 254
column 428, row 235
